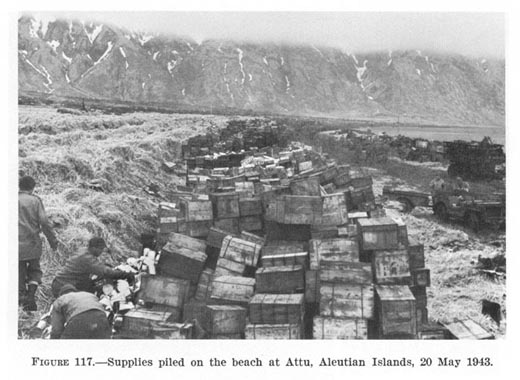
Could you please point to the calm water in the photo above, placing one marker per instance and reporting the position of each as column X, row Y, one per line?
column 476, row 133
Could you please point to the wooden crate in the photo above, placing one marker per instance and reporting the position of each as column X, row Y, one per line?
column 168, row 291
column 248, row 236
column 250, row 207
column 232, row 290
column 280, row 279
column 377, row 234
column 204, row 285
column 291, row 232
column 312, row 286
column 421, row 277
column 340, row 248
column 167, row 330
column 324, row 232
column 467, row 329
column 231, row 225
column 432, row 331
column 181, row 262
column 328, row 175
column 225, row 205
column 346, row 300
column 298, row 258
column 240, row 251
column 421, row 298
column 276, row 308
column 416, row 254
column 302, row 209
column 284, row 331
column 304, row 166
column 334, row 210
column 391, row 267
column 342, row 178
column 361, row 182
column 226, row 267
column 196, row 210
column 137, row 323
column 345, row 272
column 198, row 229
column 215, row 237
column 306, row 186
column 224, row 320
column 278, row 247
column 396, row 311
column 251, row 223
column 402, row 232
column 245, row 189
column 339, row 328
column 184, row 241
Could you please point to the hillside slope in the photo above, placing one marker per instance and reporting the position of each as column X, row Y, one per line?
column 101, row 61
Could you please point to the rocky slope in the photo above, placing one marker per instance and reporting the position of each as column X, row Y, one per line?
column 101, row 61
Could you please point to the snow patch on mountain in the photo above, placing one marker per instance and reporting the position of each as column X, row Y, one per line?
column 155, row 55
column 34, row 28
column 54, row 44
column 105, row 54
column 144, row 38
column 68, row 59
column 93, row 35
column 240, row 56
column 318, row 50
column 265, row 61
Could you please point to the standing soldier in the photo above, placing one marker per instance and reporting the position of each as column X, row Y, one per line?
column 31, row 221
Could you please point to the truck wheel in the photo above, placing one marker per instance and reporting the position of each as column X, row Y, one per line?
column 440, row 210
column 472, row 221
column 407, row 206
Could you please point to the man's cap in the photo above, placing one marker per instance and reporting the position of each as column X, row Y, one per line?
column 97, row 242
column 67, row 288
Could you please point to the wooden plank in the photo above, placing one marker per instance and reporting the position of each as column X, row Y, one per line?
column 283, row 331
column 346, row 300
column 339, row 328
column 345, row 272
column 467, row 329
column 280, row 279
column 298, row 258
column 248, row 236
column 276, row 308
column 312, row 286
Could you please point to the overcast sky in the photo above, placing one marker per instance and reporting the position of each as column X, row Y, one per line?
column 478, row 34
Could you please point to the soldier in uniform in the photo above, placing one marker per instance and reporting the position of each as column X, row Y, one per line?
column 80, row 269
column 31, row 221
column 78, row 315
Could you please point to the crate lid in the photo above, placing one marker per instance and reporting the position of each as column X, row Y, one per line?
column 383, row 221
column 394, row 293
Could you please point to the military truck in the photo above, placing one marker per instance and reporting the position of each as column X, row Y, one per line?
column 475, row 211
column 475, row 160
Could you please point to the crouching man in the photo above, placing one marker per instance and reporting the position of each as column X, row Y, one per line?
column 78, row 270
column 78, row 315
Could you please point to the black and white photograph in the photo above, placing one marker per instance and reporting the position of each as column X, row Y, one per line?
column 260, row 175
